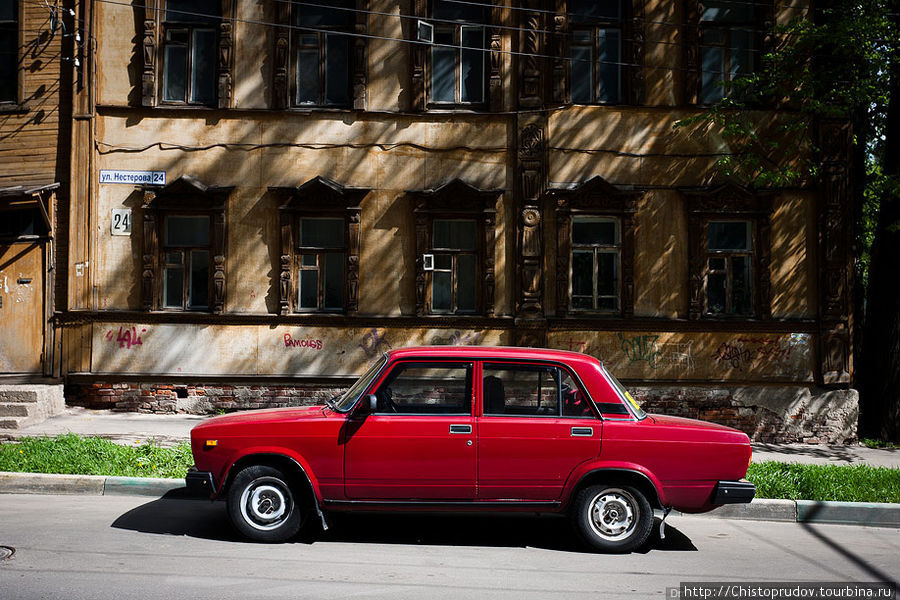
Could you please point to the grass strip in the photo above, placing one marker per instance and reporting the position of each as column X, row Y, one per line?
column 856, row 483
column 75, row 455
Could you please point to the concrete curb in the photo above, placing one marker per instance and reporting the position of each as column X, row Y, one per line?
column 785, row 511
column 90, row 485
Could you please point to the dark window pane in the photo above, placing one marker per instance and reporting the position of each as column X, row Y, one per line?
column 308, row 260
column 173, row 294
column 608, row 67
column 588, row 232
column 175, row 73
column 728, row 235
column 715, row 293
column 440, row 291
column 607, row 274
column 14, row 223
column 594, row 10
column 466, row 283
column 741, row 53
column 740, row 285
column 334, row 281
column 457, row 11
column 199, row 278
column 583, row 275
column 727, row 11
column 443, row 73
column 309, row 289
column 308, row 71
column 523, row 391
column 582, row 87
column 455, row 234
column 717, row 264
column 203, row 66
column 417, row 389
column 187, row 231
column 443, row 262
column 322, row 233
column 337, row 69
column 338, row 13
column 713, row 69
column 174, row 258
column 9, row 59
column 607, row 304
column 8, row 10
column 472, row 65
column 193, row 11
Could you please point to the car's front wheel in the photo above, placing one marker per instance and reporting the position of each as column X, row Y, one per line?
column 263, row 505
column 612, row 518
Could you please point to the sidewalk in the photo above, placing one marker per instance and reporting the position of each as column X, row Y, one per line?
column 168, row 430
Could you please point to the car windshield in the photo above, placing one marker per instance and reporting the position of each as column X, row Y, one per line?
column 629, row 400
column 346, row 401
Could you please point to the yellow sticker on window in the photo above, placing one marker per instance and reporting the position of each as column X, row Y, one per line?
column 632, row 400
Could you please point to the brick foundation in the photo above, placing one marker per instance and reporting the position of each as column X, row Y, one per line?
column 168, row 398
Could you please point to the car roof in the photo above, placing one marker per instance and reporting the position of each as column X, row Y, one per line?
column 491, row 352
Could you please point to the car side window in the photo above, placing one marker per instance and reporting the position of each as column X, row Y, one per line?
column 426, row 388
column 520, row 390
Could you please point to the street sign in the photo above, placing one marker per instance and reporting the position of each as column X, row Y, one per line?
column 133, row 177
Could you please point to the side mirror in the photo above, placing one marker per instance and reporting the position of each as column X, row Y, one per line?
column 373, row 403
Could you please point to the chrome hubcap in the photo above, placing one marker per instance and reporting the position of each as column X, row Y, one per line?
column 266, row 503
column 612, row 514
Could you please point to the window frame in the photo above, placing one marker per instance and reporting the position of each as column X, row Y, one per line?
column 186, row 252
column 318, row 198
column 17, row 72
column 191, row 28
column 386, row 378
column 454, row 254
column 596, row 249
column 623, row 69
column 296, row 44
column 728, row 255
column 595, row 198
column 320, row 252
column 561, row 370
column 729, row 203
column 456, row 200
column 459, row 49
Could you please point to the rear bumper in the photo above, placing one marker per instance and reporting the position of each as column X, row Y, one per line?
column 200, row 483
column 733, row 492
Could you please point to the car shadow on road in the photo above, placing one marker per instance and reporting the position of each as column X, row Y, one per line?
column 175, row 514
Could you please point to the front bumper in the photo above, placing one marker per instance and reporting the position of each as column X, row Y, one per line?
column 200, row 483
column 733, row 492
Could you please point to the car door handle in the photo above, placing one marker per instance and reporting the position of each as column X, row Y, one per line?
column 460, row 429
column 582, row 431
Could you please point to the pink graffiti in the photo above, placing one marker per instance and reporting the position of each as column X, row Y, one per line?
column 289, row 342
column 126, row 338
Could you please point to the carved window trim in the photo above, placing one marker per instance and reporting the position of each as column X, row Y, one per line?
column 596, row 198
column 729, row 202
column 419, row 63
column 283, row 70
column 318, row 197
column 184, row 195
column 631, row 54
column 151, row 52
column 456, row 199
column 692, row 29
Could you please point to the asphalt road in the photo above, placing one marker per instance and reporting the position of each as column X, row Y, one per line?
column 117, row 547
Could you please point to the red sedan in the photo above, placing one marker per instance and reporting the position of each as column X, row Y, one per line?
column 471, row 428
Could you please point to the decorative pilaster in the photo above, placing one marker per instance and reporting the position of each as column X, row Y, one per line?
column 636, row 84
column 834, row 252
column 560, row 53
column 285, row 285
column 417, row 53
column 353, row 214
column 421, row 248
column 360, row 56
column 691, row 35
column 226, row 66
column 490, row 226
column 280, row 88
column 532, row 149
column 531, row 43
column 149, row 52
column 148, row 273
column 218, row 299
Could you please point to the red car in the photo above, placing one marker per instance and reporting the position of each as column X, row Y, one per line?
column 471, row 428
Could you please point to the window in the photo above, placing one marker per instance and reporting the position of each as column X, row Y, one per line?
column 321, row 253
column 189, row 51
column 454, row 280
column 729, row 267
column 596, row 51
column 729, row 233
column 596, row 250
column 427, row 388
column 321, row 60
column 455, row 230
column 9, row 51
column 458, row 54
column 186, row 262
column 526, row 390
column 727, row 45
column 184, row 246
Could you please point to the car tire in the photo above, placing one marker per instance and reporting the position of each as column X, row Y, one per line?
column 263, row 504
column 612, row 518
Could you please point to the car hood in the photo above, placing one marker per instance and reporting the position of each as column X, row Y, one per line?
column 685, row 423
column 270, row 414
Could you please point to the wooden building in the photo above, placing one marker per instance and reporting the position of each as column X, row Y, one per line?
column 272, row 193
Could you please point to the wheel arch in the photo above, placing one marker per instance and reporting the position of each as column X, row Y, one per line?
column 622, row 476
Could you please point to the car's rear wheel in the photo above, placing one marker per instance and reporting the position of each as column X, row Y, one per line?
column 612, row 518
column 263, row 505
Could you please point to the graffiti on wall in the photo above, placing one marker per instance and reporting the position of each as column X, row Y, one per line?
column 126, row 337
column 457, row 338
column 640, row 348
column 741, row 352
column 310, row 344
column 375, row 343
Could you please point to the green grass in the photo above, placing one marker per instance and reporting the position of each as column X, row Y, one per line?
column 858, row 483
column 72, row 454
column 874, row 443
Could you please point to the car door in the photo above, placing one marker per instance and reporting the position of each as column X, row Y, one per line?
column 536, row 426
column 418, row 444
